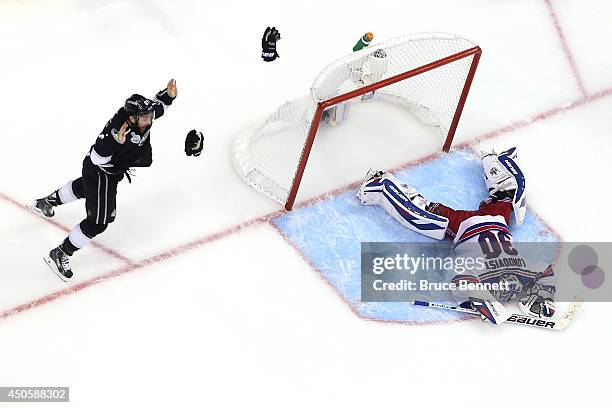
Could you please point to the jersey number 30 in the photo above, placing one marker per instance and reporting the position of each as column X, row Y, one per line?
column 493, row 243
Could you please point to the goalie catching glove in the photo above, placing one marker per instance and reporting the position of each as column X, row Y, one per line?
column 194, row 143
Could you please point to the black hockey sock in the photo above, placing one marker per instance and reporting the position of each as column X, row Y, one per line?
column 68, row 248
column 54, row 199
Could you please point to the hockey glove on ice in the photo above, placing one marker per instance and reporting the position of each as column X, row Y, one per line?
column 268, row 44
column 194, row 143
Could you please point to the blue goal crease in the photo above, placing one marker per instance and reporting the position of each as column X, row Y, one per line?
column 329, row 232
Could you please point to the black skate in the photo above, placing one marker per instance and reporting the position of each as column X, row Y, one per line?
column 44, row 206
column 59, row 263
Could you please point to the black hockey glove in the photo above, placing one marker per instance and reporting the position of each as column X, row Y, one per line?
column 194, row 143
column 268, row 44
column 164, row 97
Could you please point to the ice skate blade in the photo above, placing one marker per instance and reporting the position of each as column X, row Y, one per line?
column 32, row 207
column 52, row 266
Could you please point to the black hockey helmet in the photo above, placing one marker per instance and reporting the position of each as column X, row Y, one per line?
column 137, row 105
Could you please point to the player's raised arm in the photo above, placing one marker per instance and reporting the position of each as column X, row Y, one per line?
column 164, row 98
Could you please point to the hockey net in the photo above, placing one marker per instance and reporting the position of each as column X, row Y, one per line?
column 428, row 73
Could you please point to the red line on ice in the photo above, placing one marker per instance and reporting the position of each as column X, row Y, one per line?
column 105, row 249
column 199, row 242
column 565, row 46
column 353, row 305
column 537, row 118
column 133, row 266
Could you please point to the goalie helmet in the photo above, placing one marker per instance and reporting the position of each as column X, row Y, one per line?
column 137, row 105
column 537, row 306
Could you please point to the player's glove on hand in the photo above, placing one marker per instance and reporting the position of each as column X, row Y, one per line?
column 268, row 44
column 194, row 143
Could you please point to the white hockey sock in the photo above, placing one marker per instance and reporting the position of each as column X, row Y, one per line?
column 77, row 238
column 66, row 194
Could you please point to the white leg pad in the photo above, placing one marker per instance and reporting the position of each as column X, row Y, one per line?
column 404, row 204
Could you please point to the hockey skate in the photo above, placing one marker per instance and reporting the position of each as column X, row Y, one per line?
column 370, row 178
column 59, row 263
column 44, row 206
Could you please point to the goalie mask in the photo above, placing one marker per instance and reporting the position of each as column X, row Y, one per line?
column 536, row 306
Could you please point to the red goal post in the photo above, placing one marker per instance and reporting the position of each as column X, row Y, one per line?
column 430, row 73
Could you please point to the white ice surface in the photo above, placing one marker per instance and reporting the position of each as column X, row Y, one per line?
column 243, row 320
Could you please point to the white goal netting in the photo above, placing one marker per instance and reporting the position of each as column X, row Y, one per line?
column 433, row 70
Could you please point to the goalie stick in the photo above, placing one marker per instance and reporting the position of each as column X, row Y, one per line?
column 556, row 324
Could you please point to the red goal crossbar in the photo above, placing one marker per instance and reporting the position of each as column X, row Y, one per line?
column 321, row 106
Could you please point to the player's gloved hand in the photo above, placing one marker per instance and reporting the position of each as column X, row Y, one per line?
column 168, row 95
column 268, row 44
column 194, row 143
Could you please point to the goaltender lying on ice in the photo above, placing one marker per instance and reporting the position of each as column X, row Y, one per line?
column 482, row 233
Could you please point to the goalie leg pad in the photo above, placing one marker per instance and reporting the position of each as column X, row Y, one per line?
column 402, row 202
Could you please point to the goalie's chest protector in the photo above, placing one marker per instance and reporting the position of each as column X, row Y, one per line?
column 474, row 229
column 488, row 237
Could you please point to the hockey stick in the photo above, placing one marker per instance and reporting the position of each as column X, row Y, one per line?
column 557, row 324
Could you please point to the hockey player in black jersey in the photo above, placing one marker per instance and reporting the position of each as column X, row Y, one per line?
column 124, row 143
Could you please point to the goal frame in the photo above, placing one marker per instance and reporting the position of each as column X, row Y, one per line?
column 323, row 105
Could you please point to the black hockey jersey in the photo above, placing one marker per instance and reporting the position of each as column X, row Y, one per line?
column 116, row 158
